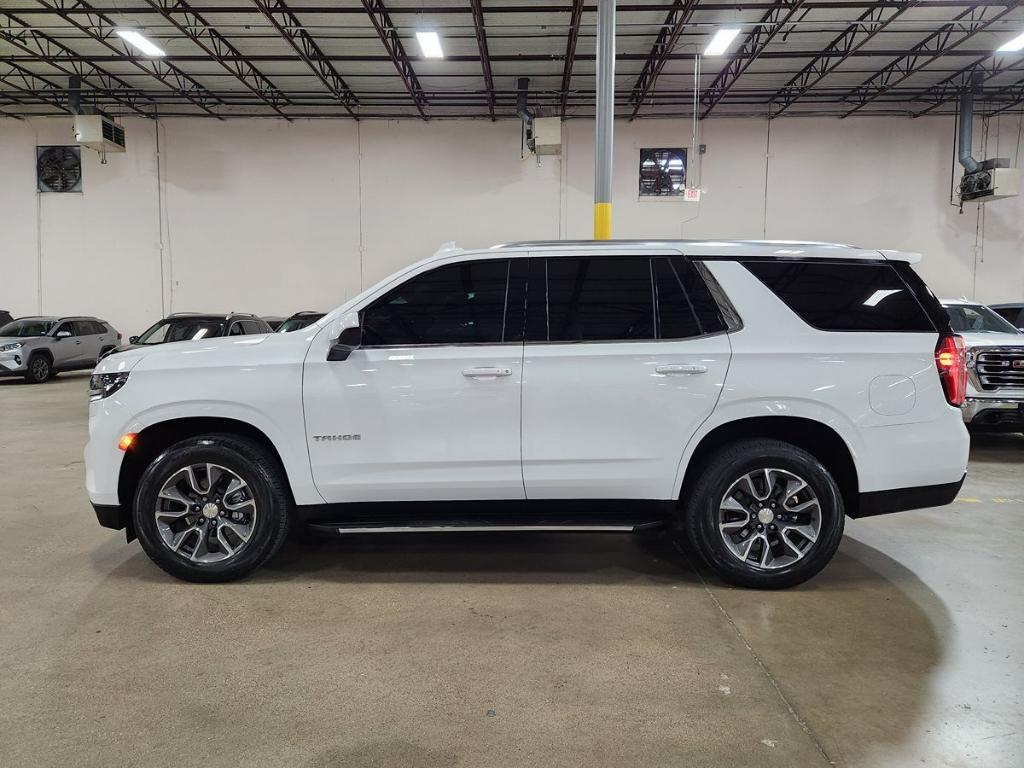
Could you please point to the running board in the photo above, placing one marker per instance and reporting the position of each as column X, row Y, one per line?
column 477, row 527
column 547, row 516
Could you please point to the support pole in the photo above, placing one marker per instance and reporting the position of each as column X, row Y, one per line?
column 604, row 119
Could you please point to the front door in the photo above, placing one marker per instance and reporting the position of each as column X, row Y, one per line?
column 427, row 408
column 626, row 355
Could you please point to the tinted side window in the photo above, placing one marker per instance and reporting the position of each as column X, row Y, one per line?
column 844, row 296
column 68, row 327
column 83, row 328
column 600, row 299
column 253, row 326
column 236, row 329
column 686, row 306
column 457, row 304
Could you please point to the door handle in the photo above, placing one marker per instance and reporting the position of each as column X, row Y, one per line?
column 670, row 369
column 486, row 373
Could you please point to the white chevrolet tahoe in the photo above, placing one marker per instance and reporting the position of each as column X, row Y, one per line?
column 748, row 394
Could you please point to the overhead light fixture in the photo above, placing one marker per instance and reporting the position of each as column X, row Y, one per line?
column 430, row 45
column 1016, row 44
column 140, row 41
column 720, row 42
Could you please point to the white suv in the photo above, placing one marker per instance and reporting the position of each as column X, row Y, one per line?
column 750, row 394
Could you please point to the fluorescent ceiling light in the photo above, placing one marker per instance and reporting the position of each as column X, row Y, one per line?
column 1016, row 44
column 430, row 45
column 140, row 41
column 720, row 42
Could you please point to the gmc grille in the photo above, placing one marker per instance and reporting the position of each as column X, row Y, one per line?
column 1000, row 368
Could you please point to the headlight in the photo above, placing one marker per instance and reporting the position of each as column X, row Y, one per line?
column 10, row 347
column 103, row 385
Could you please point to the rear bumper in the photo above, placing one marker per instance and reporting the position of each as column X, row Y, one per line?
column 1005, row 413
column 903, row 499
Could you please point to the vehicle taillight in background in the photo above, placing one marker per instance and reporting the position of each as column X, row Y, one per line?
column 951, row 360
column 119, row 336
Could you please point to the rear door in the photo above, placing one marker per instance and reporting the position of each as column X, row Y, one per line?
column 626, row 355
column 90, row 335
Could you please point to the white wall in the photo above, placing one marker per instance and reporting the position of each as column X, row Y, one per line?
column 271, row 217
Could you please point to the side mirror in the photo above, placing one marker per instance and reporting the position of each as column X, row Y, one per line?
column 133, row 339
column 63, row 334
column 347, row 342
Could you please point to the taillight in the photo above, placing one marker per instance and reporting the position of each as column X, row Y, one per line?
column 118, row 335
column 951, row 360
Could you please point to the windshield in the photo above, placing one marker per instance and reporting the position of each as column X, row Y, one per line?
column 295, row 323
column 977, row 318
column 182, row 329
column 27, row 327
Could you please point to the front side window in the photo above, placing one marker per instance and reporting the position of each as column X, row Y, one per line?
column 68, row 328
column 457, row 304
column 977, row 318
column 845, row 296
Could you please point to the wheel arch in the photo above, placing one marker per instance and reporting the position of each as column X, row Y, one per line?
column 818, row 439
column 156, row 438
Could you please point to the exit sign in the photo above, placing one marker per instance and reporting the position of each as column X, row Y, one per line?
column 691, row 194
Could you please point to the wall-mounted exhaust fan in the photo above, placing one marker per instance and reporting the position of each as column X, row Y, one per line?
column 59, row 169
column 983, row 180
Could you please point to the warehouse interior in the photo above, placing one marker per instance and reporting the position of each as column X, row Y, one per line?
column 269, row 157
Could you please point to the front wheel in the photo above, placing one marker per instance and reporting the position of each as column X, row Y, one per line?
column 39, row 369
column 764, row 514
column 212, row 508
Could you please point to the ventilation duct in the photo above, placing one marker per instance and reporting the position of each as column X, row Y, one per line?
column 966, row 136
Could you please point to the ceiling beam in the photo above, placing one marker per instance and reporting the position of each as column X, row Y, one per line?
column 19, row 34
column 981, row 71
column 192, row 25
column 1014, row 94
column 485, row 57
column 966, row 24
column 381, row 21
column 419, row 10
column 766, row 30
column 25, row 81
column 867, row 25
column 570, row 53
column 676, row 20
column 295, row 34
column 100, row 28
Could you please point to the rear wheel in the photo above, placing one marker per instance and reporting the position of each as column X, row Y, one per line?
column 764, row 514
column 212, row 508
column 39, row 369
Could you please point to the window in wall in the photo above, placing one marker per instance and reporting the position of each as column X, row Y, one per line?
column 458, row 304
column 662, row 172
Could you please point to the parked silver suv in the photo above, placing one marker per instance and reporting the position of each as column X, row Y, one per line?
column 38, row 347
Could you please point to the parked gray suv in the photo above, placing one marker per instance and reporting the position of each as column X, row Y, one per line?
column 38, row 347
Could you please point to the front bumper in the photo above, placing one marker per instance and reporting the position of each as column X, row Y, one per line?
column 994, row 413
column 14, row 363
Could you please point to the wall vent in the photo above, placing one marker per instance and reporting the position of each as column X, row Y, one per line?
column 58, row 169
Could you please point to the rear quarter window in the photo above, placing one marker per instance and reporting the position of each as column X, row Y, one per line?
column 834, row 296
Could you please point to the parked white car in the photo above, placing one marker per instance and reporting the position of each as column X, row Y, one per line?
column 995, row 365
column 750, row 394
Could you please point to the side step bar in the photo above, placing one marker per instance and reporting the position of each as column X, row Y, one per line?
column 477, row 527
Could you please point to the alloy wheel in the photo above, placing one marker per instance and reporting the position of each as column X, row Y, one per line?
column 205, row 513
column 769, row 518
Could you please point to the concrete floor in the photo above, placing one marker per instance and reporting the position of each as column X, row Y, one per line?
column 501, row 650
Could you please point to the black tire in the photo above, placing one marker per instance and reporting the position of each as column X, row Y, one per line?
column 718, row 474
column 254, row 465
column 39, row 369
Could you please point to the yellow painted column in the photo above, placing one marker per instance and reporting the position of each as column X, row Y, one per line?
column 602, row 221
